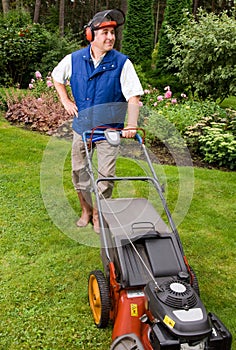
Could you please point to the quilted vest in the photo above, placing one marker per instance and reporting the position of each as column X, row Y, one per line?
column 97, row 91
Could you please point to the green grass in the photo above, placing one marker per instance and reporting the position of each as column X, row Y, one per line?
column 43, row 271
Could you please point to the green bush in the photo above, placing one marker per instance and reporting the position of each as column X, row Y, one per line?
column 218, row 146
column 206, row 128
column 213, row 137
column 204, row 54
column 26, row 47
column 22, row 46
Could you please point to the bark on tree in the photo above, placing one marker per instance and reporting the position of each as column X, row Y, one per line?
column 5, row 6
column 62, row 18
column 37, row 10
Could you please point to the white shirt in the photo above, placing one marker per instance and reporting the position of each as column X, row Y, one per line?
column 130, row 84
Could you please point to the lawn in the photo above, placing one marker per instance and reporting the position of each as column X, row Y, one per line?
column 44, row 265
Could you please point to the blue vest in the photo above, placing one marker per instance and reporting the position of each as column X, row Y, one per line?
column 97, row 92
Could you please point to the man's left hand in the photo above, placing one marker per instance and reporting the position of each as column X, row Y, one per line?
column 129, row 132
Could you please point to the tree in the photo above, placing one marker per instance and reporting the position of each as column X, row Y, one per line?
column 204, row 54
column 62, row 18
column 37, row 11
column 5, row 6
column 174, row 13
column 138, row 35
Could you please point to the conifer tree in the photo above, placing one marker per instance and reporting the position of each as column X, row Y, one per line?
column 173, row 17
column 138, row 35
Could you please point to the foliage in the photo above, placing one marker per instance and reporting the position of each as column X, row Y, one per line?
column 39, row 108
column 138, row 35
column 229, row 102
column 57, row 48
column 214, row 137
column 204, row 53
column 207, row 129
column 142, row 76
column 24, row 46
column 174, row 14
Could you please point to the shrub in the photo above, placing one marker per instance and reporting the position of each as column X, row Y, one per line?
column 22, row 45
column 218, row 146
column 207, row 129
column 39, row 109
column 204, row 54
column 213, row 137
column 25, row 46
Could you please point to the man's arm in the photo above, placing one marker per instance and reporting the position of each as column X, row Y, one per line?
column 68, row 104
column 133, row 112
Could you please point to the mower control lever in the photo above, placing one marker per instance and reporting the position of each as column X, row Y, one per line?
column 112, row 137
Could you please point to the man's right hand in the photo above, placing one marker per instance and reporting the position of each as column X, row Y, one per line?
column 70, row 107
column 68, row 104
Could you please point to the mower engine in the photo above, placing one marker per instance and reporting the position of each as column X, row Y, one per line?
column 180, row 319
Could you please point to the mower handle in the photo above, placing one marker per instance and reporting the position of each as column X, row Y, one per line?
column 97, row 134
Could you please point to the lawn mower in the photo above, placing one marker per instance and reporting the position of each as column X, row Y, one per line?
column 147, row 291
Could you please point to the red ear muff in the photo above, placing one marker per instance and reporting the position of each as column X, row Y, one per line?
column 89, row 34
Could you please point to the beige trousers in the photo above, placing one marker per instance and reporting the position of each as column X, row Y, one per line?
column 106, row 166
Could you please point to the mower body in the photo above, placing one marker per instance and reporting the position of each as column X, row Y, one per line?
column 149, row 292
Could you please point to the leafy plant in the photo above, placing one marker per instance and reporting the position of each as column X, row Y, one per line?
column 204, row 54
column 218, row 146
column 25, row 46
column 207, row 129
column 213, row 137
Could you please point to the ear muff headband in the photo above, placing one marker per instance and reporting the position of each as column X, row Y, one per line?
column 114, row 18
column 89, row 30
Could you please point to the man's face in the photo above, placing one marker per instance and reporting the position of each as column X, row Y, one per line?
column 104, row 39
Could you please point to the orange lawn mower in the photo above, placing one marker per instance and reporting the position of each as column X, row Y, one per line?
column 148, row 291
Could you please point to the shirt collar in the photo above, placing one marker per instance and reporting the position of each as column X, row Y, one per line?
column 96, row 62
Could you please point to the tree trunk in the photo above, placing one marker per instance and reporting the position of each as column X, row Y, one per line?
column 123, row 7
column 37, row 10
column 157, row 22
column 5, row 6
column 195, row 7
column 62, row 18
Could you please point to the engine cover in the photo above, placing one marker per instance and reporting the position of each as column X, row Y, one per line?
column 177, row 306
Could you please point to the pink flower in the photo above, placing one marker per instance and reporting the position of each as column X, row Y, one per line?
column 155, row 104
column 183, row 95
column 31, row 86
column 49, row 83
column 146, row 91
column 174, row 100
column 32, row 81
column 168, row 94
column 159, row 98
column 38, row 75
column 140, row 103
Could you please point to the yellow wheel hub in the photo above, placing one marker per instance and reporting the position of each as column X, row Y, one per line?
column 95, row 299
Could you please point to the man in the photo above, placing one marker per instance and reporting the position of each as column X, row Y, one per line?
column 104, row 86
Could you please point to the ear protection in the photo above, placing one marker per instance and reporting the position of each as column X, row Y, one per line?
column 113, row 18
column 89, row 33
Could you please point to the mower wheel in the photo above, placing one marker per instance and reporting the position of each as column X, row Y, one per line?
column 99, row 300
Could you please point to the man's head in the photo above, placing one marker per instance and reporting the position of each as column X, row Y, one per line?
column 108, row 19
